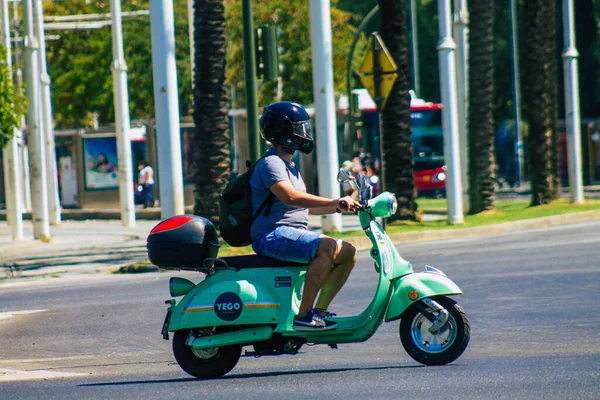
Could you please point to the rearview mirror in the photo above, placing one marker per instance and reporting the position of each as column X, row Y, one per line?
column 344, row 175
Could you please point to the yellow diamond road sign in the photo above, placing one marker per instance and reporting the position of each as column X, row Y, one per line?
column 388, row 70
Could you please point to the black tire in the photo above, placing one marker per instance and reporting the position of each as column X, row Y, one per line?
column 206, row 364
column 438, row 348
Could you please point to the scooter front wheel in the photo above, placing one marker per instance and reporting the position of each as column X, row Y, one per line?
column 206, row 363
column 439, row 347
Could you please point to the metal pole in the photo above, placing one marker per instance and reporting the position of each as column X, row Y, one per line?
column 590, row 153
column 46, row 119
column 41, row 223
column 461, row 33
column 445, row 50
column 514, row 42
column 572, row 113
column 166, row 102
column 414, row 46
column 351, row 111
column 8, row 184
column 24, row 176
column 250, row 76
column 122, row 123
column 326, row 128
column 11, row 155
column 379, row 103
column 190, row 5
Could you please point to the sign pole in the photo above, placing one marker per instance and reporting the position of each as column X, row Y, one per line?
column 376, row 49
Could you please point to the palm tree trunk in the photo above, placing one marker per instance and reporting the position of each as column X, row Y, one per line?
column 539, row 139
column 551, row 60
column 212, row 162
column 482, row 194
column 397, row 141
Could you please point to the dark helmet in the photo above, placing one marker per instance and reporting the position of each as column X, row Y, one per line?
column 287, row 124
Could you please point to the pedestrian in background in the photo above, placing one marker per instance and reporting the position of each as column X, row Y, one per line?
column 146, row 183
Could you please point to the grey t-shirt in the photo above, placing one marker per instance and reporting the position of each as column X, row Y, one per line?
column 270, row 170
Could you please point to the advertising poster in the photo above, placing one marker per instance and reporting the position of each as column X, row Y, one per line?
column 100, row 155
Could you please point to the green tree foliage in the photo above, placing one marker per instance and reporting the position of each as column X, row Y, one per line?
column 12, row 104
column 292, row 18
column 80, row 64
column 587, row 18
column 79, row 61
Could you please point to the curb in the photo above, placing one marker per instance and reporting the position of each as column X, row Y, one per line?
column 83, row 215
column 364, row 243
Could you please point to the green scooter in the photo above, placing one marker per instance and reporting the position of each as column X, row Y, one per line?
column 252, row 300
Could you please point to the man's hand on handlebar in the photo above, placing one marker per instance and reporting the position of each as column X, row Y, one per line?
column 348, row 204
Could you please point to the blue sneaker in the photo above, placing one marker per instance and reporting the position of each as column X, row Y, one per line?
column 324, row 313
column 312, row 321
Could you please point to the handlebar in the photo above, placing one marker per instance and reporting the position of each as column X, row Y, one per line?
column 344, row 204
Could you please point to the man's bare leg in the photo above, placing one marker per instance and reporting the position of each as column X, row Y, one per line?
column 344, row 263
column 317, row 273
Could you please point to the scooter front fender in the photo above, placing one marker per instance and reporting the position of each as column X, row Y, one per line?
column 418, row 286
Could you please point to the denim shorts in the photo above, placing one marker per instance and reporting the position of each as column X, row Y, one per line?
column 289, row 244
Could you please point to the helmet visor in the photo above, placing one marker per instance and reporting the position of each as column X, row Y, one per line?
column 301, row 136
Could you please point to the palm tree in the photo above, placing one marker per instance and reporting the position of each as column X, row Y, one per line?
column 538, row 96
column 482, row 164
column 550, row 16
column 397, row 142
column 212, row 162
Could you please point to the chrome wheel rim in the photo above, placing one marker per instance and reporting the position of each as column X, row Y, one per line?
column 433, row 342
column 205, row 354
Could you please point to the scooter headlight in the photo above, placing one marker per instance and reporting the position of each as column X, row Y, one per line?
column 384, row 205
column 392, row 204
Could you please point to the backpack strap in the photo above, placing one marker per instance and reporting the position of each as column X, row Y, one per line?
column 271, row 196
column 267, row 203
column 271, row 199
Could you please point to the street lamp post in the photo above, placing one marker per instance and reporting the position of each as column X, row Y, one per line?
column 39, row 188
column 326, row 129
column 166, row 103
column 46, row 119
column 121, row 99
column 250, row 77
column 571, row 79
column 11, row 155
column 446, row 49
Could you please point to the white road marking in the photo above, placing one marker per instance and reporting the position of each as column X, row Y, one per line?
column 8, row 375
column 8, row 314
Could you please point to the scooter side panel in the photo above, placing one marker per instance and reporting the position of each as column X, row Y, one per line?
column 425, row 284
column 229, row 298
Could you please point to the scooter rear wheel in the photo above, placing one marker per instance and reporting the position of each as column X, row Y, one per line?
column 207, row 363
column 437, row 348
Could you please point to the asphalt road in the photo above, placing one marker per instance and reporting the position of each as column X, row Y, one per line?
column 532, row 299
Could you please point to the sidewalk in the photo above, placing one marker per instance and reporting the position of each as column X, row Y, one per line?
column 93, row 241
column 94, row 246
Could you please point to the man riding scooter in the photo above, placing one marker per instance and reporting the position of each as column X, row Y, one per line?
column 281, row 232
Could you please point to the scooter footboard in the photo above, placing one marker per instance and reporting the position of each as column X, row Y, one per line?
column 414, row 287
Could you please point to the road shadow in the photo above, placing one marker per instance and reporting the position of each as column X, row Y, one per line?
column 14, row 269
column 257, row 375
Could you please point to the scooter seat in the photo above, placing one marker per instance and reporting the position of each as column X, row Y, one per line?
column 256, row 261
